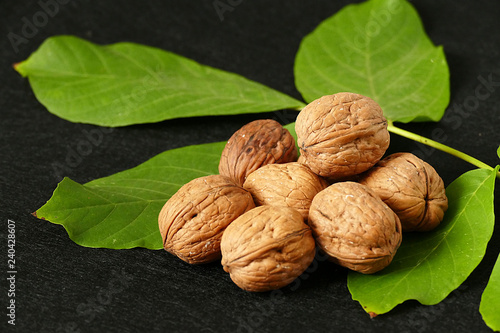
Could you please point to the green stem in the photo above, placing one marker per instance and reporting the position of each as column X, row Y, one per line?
column 440, row 146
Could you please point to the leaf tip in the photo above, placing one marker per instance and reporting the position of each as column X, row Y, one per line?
column 372, row 314
column 38, row 217
column 18, row 67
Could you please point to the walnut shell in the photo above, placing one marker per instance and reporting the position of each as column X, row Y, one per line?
column 267, row 248
column 412, row 188
column 291, row 184
column 192, row 221
column 341, row 135
column 301, row 159
column 355, row 227
column 258, row 143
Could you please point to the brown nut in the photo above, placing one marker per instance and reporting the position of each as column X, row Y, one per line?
column 412, row 188
column 291, row 184
column 192, row 221
column 354, row 227
column 258, row 143
column 267, row 248
column 341, row 135
column 301, row 159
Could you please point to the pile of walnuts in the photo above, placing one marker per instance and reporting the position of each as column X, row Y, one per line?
column 267, row 210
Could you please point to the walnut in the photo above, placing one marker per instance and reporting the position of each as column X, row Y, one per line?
column 412, row 188
column 258, row 143
column 355, row 227
column 341, row 135
column 192, row 221
column 267, row 248
column 290, row 184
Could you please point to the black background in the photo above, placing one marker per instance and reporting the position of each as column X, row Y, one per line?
column 62, row 287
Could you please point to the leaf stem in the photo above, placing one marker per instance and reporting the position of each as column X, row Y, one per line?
column 440, row 146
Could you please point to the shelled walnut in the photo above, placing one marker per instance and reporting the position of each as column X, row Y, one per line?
column 267, row 248
column 258, row 143
column 341, row 135
column 355, row 227
column 290, row 184
column 192, row 221
column 412, row 188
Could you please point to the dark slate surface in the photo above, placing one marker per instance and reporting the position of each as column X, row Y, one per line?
column 62, row 287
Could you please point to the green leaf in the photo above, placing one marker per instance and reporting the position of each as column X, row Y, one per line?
column 121, row 211
column 428, row 266
column 378, row 49
column 490, row 300
column 125, row 83
column 498, row 151
column 291, row 128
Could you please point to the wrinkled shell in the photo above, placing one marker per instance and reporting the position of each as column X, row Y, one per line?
column 354, row 227
column 412, row 188
column 301, row 159
column 292, row 185
column 341, row 135
column 267, row 248
column 192, row 221
column 258, row 143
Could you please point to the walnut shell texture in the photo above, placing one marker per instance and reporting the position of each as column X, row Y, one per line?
column 192, row 221
column 341, row 135
column 290, row 184
column 267, row 248
column 258, row 143
column 355, row 227
column 412, row 188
